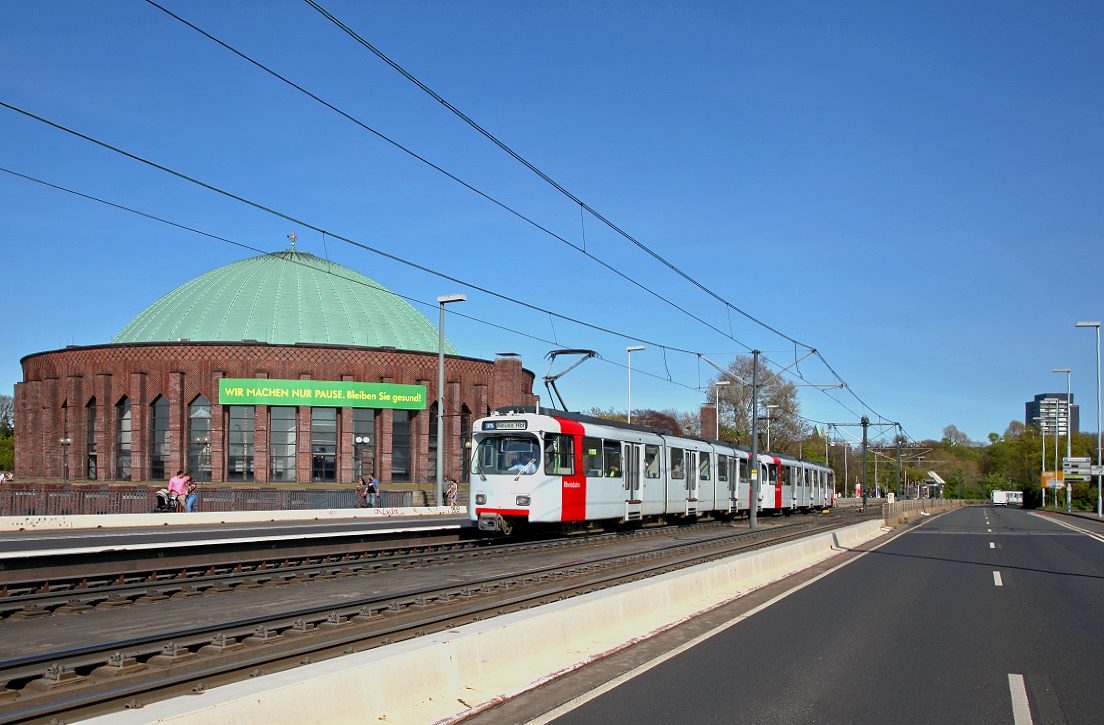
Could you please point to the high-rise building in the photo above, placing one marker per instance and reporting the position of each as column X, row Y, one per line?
column 1050, row 409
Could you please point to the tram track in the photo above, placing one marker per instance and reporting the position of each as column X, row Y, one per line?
column 103, row 676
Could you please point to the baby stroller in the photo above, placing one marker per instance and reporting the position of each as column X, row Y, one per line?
column 165, row 502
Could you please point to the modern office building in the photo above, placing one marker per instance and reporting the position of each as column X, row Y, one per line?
column 281, row 368
column 1050, row 409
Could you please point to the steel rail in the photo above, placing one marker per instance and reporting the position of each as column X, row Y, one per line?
column 79, row 679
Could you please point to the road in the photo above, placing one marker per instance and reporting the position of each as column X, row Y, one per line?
column 982, row 615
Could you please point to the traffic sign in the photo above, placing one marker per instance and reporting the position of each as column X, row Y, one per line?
column 1096, row 471
column 1077, row 469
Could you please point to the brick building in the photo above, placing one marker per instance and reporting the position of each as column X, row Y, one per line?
column 152, row 401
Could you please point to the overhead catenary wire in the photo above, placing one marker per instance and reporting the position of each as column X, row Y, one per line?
column 502, row 205
column 582, row 205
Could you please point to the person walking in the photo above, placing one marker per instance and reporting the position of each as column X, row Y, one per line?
column 450, row 492
column 191, row 493
column 361, row 493
column 178, row 486
column 373, row 492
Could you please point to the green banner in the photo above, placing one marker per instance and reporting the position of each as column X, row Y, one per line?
column 258, row 391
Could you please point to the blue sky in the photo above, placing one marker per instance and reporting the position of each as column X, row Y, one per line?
column 912, row 189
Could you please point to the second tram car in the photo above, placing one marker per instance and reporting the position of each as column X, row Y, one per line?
column 570, row 471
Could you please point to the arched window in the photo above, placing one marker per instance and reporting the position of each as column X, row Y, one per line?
column 400, row 445
column 159, row 439
column 323, row 445
column 122, row 440
column 431, row 459
column 239, row 458
column 199, row 439
column 465, row 443
column 281, row 443
column 93, row 429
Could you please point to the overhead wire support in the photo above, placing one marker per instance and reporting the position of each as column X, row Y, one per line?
column 552, row 182
column 505, row 207
column 582, row 204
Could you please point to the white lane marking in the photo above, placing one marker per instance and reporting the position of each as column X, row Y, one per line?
column 1021, row 709
column 989, row 530
column 997, row 579
column 1078, row 529
column 641, row 669
column 992, row 545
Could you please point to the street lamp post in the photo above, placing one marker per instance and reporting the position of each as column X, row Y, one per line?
column 1096, row 324
column 1069, row 437
column 629, row 351
column 442, row 301
column 65, row 442
column 1042, row 445
column 717, row 406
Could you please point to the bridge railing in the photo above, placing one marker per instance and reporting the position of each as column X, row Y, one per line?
column 899, row 512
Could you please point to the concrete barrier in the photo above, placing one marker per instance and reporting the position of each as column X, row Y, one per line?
column 449, row 674
column 129, row 521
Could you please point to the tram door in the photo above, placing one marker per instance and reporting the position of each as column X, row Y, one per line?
column 633, row 482
column 692, row 477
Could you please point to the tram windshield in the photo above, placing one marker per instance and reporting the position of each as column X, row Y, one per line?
column 515, row 454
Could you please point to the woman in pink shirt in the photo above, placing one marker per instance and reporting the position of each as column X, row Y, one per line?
column 178, row 488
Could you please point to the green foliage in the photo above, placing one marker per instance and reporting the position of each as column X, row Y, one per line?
column 7, row 451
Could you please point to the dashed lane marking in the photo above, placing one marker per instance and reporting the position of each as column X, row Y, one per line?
column 997, row 579
column 1021, row 709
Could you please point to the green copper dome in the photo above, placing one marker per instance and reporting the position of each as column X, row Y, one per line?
column 284, row 298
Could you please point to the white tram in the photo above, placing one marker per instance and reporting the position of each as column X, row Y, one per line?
column 572, row 471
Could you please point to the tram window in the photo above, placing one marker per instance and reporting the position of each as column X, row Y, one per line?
column 612, row 459
column 722, row 468
column 676, row 463
column 651, row 462
column 703, row 466
column 744, row 469
column 559, row 455
column 592, row 456
column 498, row 454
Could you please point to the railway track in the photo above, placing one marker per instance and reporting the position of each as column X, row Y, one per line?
column 177, row 654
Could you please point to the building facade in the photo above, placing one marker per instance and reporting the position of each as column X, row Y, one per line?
column 150, row 402
column 1049, row 411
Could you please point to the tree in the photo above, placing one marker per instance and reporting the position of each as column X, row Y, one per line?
column 7, row 414
column 787, row 428
column 953, row 436
column 667, row 419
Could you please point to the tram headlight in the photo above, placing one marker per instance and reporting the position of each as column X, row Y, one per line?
column 480, row 498
column 523, row 500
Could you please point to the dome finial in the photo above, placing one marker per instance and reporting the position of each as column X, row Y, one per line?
column 292, row 237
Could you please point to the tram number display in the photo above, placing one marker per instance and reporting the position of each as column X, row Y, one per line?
column 505, row 425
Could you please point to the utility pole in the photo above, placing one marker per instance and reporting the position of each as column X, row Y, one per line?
column 753, row 511
column 865, row 426
column 899, row 434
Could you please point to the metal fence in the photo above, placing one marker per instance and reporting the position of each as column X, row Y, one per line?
column 47, row 499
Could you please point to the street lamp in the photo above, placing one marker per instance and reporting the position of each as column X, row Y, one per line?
column 629, row 351
column 1096, row 324
column 717, row 406
column 1042, row 441
column 65, row 457
column 442, row 301
column 1069, row 437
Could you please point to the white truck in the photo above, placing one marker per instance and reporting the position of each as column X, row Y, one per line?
column 1000, row 498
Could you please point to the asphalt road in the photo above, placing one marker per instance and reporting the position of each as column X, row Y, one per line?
column 982, row 615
